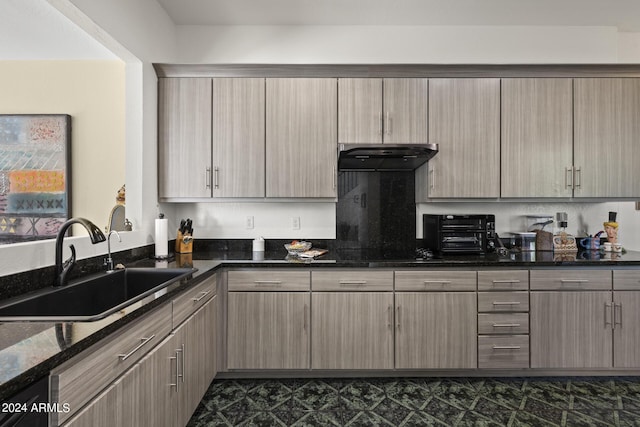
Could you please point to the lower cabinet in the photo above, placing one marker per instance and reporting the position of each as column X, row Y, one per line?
column 571, row 329
column 436, row 330
column 626, row 328
column 268, row 330
column 166, row 385
column 352, row 330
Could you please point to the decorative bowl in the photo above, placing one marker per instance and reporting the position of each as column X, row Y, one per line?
column 297, row 247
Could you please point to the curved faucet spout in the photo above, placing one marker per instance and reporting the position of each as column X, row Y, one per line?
column 96, row 236
column 109, row 261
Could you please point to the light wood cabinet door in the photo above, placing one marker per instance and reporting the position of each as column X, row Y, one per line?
column 268, row 330
column 537, row 137
column 571, row 329
column 184, row 137
column 103, row 411
column 626, row 333
column 464, row 120
column 607, row 130
column 405, row 111
column 238, row 132
column 436, row 330
column 360, row 111
column 301, row 137
column 352, row 330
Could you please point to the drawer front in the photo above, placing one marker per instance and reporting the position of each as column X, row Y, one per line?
column 509, row 280
column 489, row 302
column 352, row 280
column 503, row 352
column 79, row 379
column 269, row 280
column 191, row 300
column 436, row 281
column 562, row 279
column 626, row 280
column 503, row 323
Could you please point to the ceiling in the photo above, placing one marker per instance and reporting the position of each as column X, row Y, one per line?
column 623, row 14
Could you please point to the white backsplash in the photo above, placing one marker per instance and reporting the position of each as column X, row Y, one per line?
column 317, row 219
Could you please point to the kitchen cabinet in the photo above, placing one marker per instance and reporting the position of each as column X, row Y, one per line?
column 104, row 411
column 206, row 128
column 268, row 325
column 537, row 137
column 607, row 129
column 436, row 330
column 238, row 132
column 301, row 132
column 352, row 330
column 626, row 318
column 464, row 120
column 184, row 137
column 390, row 110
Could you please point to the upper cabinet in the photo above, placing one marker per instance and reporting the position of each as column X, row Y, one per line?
column 238, row 137
column 537, row 146
column 464, row 120
column 390, row 110
column 301, row 137
column 607, row 137
column 211, row 137
column 184, row 137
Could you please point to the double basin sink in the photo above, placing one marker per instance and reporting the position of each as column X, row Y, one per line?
column 91, row 298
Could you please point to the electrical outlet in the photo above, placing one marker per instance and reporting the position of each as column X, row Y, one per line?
column 249, row 222
column 295, row 223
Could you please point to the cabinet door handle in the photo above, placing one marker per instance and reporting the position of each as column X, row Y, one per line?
column 389, row 316
column 143, row 341
column 568, row 177
column 570, row 281
column 352, row 282
column 398, row 317
column 506, row 347
column 506, row 303
column 381, row 123
column 216, row 183
column 267, row 282
column 176, row 384
column 617, row 308
column 607, row 316
column 181, row 351
column 334, row 174
column 207, row 177
column 304, row 324
column 498, row 282
column 388, row 126
column 202, row 295
column 577, row 179
column 506, row 325
column 436, row 282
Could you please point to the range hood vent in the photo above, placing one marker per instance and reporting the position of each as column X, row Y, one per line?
column 384, row 157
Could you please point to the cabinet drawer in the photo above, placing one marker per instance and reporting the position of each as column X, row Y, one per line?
column 79, row 379
column 269, row 280
column 626, row 280
column 504, row 351
column 562, row 279
column 187, row 303
column 503, row 301
column 510, row 280
column 503, row 323
column 352, row 280
column 436, row 280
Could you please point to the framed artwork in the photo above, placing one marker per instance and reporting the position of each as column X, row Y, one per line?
column 35, row 175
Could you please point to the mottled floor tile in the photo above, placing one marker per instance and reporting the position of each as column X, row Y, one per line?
column 361, row 395
column 628, row 419
column 587, row 419
column 392, row 411
column 442, row 410
column 316, row 418
column 474, row 419
column 268, row 395
column 543, row 410
column 316, row 395
column 409, row 394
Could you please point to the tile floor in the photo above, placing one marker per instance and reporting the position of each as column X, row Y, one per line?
column 422, row 402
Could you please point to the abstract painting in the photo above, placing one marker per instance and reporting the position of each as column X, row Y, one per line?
column 35, row 175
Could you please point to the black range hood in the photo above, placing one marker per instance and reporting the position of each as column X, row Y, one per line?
column 384, row 157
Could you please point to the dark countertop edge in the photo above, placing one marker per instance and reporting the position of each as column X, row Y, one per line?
column 43, row 369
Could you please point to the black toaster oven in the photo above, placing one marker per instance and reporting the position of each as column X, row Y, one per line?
column 459, row 234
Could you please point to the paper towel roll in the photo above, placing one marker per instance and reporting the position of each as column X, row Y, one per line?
column 162, row 237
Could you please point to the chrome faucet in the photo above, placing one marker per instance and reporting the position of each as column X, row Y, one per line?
column 62, row 270
column 109, row 261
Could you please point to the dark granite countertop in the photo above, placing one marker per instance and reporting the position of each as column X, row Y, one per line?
column 30, row 350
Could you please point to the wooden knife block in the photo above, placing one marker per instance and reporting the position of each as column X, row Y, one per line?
column 183, row 247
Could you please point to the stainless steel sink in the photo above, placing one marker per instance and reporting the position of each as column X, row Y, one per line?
column 92, row 298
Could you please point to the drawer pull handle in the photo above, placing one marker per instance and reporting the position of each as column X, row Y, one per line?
column 176, row 384
column 436, row 282
column 143, row 341
column 268, row 282
column 506, row 303
column 352, row 282
column 506, row 325
column 574, row 281
column 506, row 347
column 202, row 295
column 498, row 282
